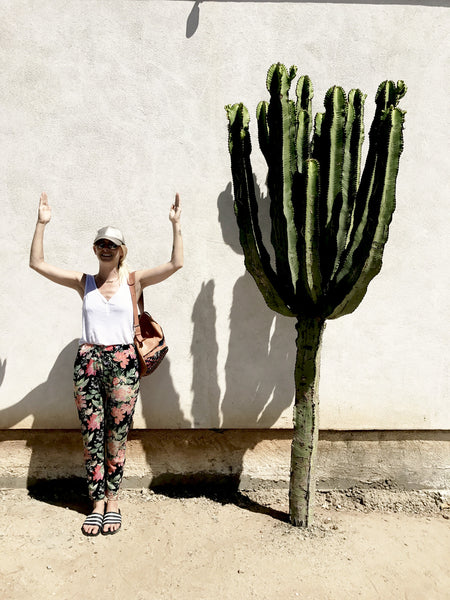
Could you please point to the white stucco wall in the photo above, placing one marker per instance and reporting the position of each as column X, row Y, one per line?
column 112, row 107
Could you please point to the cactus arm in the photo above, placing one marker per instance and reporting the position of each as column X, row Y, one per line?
column 305, row 193
column 253, row 204
column 257, row 259
column 385, row 97
column 289, row 162
column 305, row 94
column 315, row 146
column 384, row 199
column 400, row 90
column 364, row 218
column 335, row 114
column 281, row 167
column 329, row 151
column 311, row 231
column 278, row 73
column 351, row 168
column 263, row 129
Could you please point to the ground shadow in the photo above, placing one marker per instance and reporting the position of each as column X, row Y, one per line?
column 66, row 492
column 223, row 489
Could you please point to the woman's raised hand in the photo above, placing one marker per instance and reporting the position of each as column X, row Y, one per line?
column 45, row 212
column 175, row 210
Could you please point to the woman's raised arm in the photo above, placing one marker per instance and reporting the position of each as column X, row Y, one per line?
column 147, row 277
column 72, row 279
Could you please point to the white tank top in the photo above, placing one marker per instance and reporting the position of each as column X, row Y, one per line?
column 107, row 322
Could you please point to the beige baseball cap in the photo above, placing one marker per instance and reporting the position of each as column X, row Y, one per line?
column 112, row 234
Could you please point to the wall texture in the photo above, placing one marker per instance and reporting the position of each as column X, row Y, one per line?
column 241, row 458
column 112, row 107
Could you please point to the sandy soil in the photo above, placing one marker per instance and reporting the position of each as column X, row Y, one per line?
column 365, row 544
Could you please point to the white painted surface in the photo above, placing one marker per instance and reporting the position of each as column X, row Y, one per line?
column 111, row 108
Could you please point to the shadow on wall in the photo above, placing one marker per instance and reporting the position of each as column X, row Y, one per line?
column 261, row 353
column 2, row 370
column 161, row 402
column 193, row 19
column 205, row 349
column 51, row 405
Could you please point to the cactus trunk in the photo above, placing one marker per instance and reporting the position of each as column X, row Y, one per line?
column 306, row 420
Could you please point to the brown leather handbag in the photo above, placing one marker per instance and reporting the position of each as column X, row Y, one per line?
column 149, row 337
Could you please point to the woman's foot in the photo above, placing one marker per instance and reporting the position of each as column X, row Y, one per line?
column 112, row 520
column 89, row 528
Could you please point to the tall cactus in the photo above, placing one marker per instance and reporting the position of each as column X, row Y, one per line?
column 329, row 224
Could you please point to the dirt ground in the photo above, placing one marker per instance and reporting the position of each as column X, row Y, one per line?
column 366, row 544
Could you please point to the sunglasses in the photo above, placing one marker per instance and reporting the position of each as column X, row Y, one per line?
column 106, row 244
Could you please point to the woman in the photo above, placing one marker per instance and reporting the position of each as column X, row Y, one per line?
column 106, row 372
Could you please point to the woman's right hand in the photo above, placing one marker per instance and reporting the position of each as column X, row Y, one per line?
column 45, row 211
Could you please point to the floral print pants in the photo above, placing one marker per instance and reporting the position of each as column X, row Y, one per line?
column 106, row 385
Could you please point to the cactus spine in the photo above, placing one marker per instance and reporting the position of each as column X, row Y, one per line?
column 330, row 224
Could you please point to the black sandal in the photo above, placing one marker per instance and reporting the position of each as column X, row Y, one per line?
column 93, row 520
column 112, row 518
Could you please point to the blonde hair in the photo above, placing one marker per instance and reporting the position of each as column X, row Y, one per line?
column 123, row 265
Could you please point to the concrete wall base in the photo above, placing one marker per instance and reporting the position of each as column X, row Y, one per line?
column 249, row 458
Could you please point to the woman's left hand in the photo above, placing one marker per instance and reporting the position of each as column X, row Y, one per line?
column 175, row 210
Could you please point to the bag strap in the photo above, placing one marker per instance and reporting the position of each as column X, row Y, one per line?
column 132, row 285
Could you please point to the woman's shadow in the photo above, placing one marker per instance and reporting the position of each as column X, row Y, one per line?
column 51, row 406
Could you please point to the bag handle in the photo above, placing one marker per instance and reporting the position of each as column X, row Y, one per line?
column 132, row 285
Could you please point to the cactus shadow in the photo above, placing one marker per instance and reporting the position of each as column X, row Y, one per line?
column 193, row 19
column 261, row 352
column 223, row 490
column 204, row 350
column 160, row 405
column 160, row 402
column 2, row 370
column 218, row 477
column 258, row 376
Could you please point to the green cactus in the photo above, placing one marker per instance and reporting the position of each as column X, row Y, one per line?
column 330, row 224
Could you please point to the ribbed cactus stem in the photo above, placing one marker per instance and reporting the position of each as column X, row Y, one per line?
column 282, row 165
column 305, row 95
column 306, row 420
column 257, row 260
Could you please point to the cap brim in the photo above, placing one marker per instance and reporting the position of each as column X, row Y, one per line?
column 109, row 238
